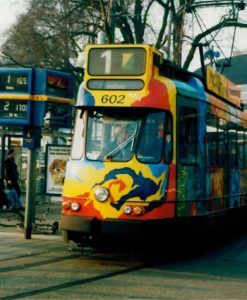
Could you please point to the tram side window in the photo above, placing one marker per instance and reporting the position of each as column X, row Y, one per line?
column 222, row 142
column 77, row 150
column 245, row 149
column 168, row 140
column 152, row 139
column 232, row 145
column 188, row 133
column 211, row 140
column 95, row 132
column 240, row 147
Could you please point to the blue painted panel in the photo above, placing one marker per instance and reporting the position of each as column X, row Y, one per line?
column 193, row 88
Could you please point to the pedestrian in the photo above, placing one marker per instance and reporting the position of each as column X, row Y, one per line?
column 9, row 197
column 11, row 173
column 3, row 197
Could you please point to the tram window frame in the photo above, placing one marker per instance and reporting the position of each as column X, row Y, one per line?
column 232, row 145
column 157, row 135
column 240, row 147
column 211, row 142
column 245, row 149
column 222, row 147
column 168, row 139
column 93, row 134
column 188, row 135
column 78, row 142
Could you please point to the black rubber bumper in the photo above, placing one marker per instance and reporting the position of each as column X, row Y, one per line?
column 91, row 225
column 78, row 224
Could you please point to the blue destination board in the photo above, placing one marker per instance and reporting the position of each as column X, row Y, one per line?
column 52, row 107
column 14, row 82
column 15, row 96
column 31, row 96
column 14, row 109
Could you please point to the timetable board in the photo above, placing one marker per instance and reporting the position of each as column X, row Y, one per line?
column 15, row 96
column 28, row 94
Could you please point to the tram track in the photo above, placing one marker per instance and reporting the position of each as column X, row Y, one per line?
column 35, row 264
column 74, row 283
column 21, row 256
column 99, row 258
column 90, row 269
column 90, row 257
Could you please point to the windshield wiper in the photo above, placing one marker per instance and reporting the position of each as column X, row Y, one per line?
column 112, row 153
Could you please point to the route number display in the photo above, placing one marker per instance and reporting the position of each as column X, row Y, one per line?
column 117, row 61
column 13, row 109
column 14, row 83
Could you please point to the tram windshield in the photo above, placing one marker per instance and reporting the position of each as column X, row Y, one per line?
column 117, row 135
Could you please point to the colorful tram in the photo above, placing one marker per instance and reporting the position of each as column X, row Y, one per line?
column 153, row 146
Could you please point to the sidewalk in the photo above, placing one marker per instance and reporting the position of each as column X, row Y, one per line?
column 47, row 211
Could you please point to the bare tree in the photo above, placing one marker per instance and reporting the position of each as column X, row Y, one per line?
column 54, row 32
column 51, row 34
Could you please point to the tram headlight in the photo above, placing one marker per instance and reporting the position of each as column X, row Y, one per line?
column 101, row 194
column 75, row 206
column 127, row 210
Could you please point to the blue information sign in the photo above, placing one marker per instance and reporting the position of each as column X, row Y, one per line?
column 53, row 99
column 36, row 97
column 15, row 96
column 31, row 138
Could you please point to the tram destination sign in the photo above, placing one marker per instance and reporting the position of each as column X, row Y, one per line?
column 13, row 109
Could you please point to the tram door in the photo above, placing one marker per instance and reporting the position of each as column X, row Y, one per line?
column 190, row 170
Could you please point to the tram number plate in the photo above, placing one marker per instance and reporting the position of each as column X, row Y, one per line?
column 13, row 109
column 113, row 99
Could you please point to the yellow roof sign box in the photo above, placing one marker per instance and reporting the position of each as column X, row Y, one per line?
column 223, row 87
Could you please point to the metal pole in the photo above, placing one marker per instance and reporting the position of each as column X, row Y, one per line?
column 101, row 38
column 3, row 155
column 169, row 36
column 111, row 19
column 204, row 73
column 30, row 194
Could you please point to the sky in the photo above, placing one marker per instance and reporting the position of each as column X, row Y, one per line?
column 9, row 11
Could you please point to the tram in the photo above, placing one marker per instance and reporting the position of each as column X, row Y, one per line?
column 153, row 146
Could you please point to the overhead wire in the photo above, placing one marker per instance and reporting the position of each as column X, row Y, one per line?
column 213, row 37
column 199, row 21
column 233, row 39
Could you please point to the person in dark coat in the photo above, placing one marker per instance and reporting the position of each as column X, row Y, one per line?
column 3, row 198
column 11, row 172
column 9, row 198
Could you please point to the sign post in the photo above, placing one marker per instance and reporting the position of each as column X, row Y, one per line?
column 30, row 194
column 32, row 99
column 31, row 140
